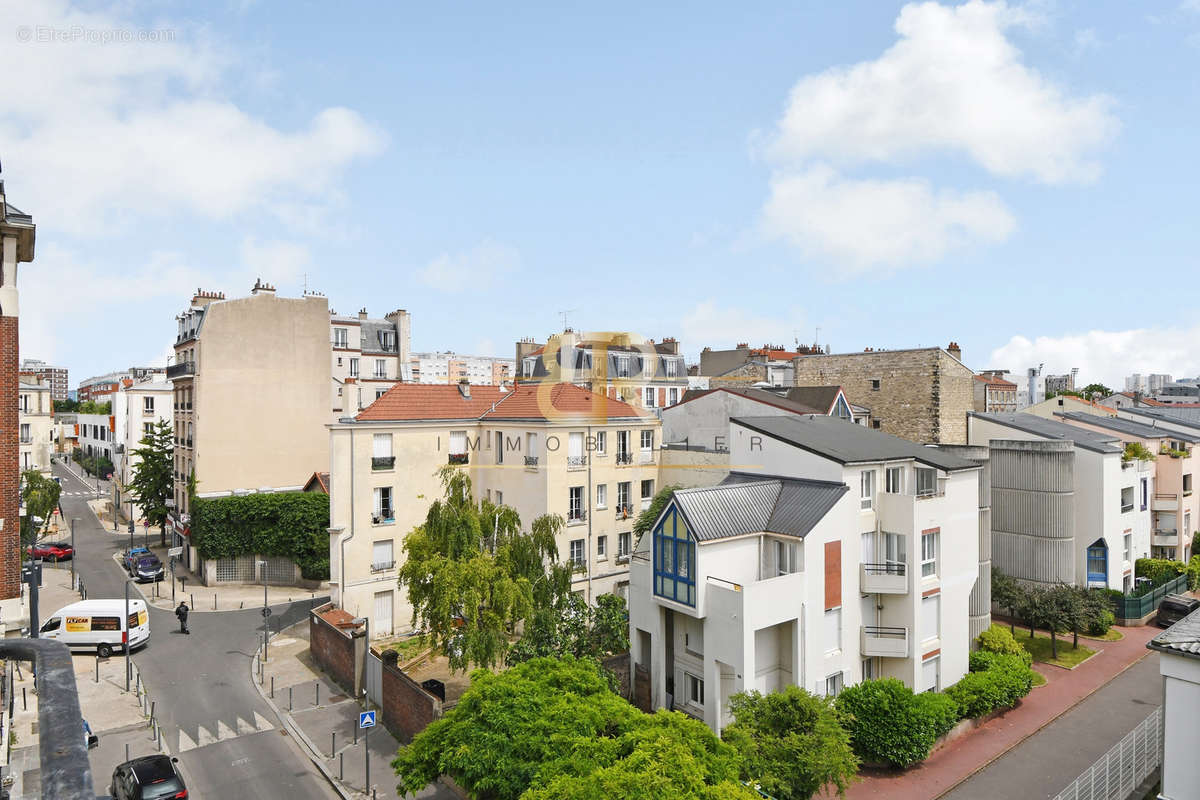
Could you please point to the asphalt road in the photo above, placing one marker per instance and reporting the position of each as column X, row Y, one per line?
column 1046, row 763
column 200, row 683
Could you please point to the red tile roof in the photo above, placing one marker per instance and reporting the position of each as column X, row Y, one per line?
column 426, row 401
column 995, row 382
column 561, row 400
column 417, row 401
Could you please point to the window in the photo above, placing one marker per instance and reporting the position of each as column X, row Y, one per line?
column 148, row 405
column 833, row 630
column 1126, row 499
column 672, row 367
column 673, row 395
column 499, row 447
column 931, row 677
column 575, row 504
column 623, row 502
column 674, row 559
column 380, row 368
column 531, row 449
column 894, row 478
column 929, row 550
column 623, row 456
column 1187, row 484
column 378, row 393
column 695, row 690
column 499, row 497
column 622, row 365
column 147, row 428
column 931, row 616
column 648, row 441
column 354, row 368
column 647, row 489
column 458, row 443
column 926, row 482
column 387, row 340
column 875, row 384
column 1145, row 492
column 602, row 495
column 383, row 505
column 575, row 456
column 833, row 685
column 382, row 556
column 623, row 540
column 868, row 669
column 339, row 337
column 601, row 547
column 1128, row 547
column 26, row 435
column 649, row 397
column 868, row 489
column 786, row 557
column 894, row 550
column 1097, row 563
column 576, row 552
column 601, row 442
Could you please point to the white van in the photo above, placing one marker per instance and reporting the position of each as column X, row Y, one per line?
column 100, row 624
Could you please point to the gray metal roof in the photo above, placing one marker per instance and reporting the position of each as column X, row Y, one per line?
column 1053, row 429
column 745, row 504
column 1128, row 426
column 1182, row 638
column 1179, row 416
column 847, row 443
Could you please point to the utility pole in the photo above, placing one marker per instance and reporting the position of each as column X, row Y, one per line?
column 73, row 521
column 128, row 631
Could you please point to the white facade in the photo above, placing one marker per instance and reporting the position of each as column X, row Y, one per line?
column 451, row 367
column 368, row 357
column 852, row 599
column 137, row 409
column 704, row 421
column 35, row 419
column 97, row 436
column 1179, row 664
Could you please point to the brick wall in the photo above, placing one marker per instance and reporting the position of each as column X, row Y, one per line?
column 332, row 649
column 407, row 708
column 10, row 537
column 924, row 395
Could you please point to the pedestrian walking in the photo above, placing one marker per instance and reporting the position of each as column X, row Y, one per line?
column 182, row 613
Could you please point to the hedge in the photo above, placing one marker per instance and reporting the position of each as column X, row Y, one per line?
column 1158, row 570
column 890, row 724
column 1000, row 640
column 996, row 680
column 291, row 524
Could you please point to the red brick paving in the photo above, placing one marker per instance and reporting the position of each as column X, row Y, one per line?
column 957, row 761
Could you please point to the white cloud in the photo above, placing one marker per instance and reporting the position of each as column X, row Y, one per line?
column 1106, row 356
column 276, row 262
column 483, row 266
column 953, row 83
column 872, row 224
column 108, row 132
column 1087, row 40
column 720, row 327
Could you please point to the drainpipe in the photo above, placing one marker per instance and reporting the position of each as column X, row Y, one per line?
column 342, row 542
column 587, row 558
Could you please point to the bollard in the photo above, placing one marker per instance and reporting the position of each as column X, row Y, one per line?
column 192, row 597
column 332, row 743
column 127, row 751
column 214, row 601
column 341, row 766
column 356, row 736
column 289, row 699
column 318, row 683
column 272, row 687
column 24, row 700
column 97, row 669
column 152, row 719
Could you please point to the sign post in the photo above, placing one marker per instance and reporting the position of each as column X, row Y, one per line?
column 366, row 721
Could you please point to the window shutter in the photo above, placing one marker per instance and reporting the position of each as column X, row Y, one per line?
column 833, row 575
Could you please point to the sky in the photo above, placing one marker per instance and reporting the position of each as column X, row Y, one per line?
column 1016, row 178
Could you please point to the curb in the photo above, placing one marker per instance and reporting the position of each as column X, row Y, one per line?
column 294, row 730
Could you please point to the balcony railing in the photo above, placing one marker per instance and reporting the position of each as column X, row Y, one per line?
column 382, row 566
column 383, row 462
column 458, row 458
column 383, row 519
column 576, row 515
column 531, row 461
column 180, row 370
column 886, row 642
column 576, row 462
column 890, row 577
column 624, row 458
column 624, row 511
column 26, row 440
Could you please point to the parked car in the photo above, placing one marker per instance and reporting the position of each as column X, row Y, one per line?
column 148, row 568
column 148, row 778
column 1173, row 608
column 132, row 555
column 51, row 551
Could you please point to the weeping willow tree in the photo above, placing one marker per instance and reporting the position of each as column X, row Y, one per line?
column 473, row 575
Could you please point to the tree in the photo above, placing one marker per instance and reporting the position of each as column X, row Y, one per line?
column 570, row 627
column 40, row 495
column 1051, row 608
column 66, row 406
column 792, row 743
column 472, row 575
column 507, row 726
column 650, row 515
column 1094, row 391
column 1007, row 594
column 153, row 480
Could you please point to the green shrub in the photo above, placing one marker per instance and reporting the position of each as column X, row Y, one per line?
column 1099, row 625
column 1158, row 570
column 1193, row 572
column 290, row 524
column 996, row 680
column 891, row 725
column 999, row 640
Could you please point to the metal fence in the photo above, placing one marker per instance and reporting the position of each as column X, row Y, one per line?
column 1123, row 768
column 374, row 678
column 1129, row 607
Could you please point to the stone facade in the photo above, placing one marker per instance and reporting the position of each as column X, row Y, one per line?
column 923, row 395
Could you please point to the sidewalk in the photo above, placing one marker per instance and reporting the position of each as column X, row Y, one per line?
column 325, row 722
column 959, row 760
column 119, row 718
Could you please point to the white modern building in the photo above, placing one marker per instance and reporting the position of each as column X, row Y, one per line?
column 1109, row 501
column 97, row 435
column 137, row 408
column 837, row 553
column 35, row 418
column 452, row 368
column 1179, row 664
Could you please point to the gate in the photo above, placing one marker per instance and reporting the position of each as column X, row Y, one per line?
column 374, row 682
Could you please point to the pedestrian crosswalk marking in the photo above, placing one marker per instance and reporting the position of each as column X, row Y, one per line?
column 224, row 731
column 204, row 738
column 185, row 742
column 244, row 727
column 260, row 722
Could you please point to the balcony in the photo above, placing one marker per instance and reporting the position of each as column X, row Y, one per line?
column 576, row 462
column 885, row 642
column 1165, row 537
column 383, row 462
column 382, row 566
column 576, row 516
column 181, row 370
column 624, row 459
column 458, row 458
column 884, row 578
column 1163, row 501
column 624, row 511
column 531, row 461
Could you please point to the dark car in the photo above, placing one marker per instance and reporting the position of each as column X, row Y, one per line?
column 148, row 778
column 51, row 551
column 1173, row 608
column 148, row 568
column 132, row 556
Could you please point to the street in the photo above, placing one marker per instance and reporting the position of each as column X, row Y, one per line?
column 232, row 744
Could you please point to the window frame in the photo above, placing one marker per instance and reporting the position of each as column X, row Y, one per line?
column 867, row 489
column 674, row 543
column 930, row 541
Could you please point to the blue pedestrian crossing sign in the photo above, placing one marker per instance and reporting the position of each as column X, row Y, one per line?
column 366, row 719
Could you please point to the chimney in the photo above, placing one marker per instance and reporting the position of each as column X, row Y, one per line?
column 262, row 287
column 362, row 313
column 464, row 388
column 954, row 350
column 203, row 298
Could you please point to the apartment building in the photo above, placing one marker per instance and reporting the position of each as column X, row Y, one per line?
column 921, row 394
column 623, row 366
column 17, row 238
column 453, row 368
column 724, row 362
column 99, row 388
column 1076, row 513
column 137, row 409
column 368, row 357
column 1179, row 664
column 1174, row 506
column 55, row 377
column 35, row 420
column 995, row 394
column 842, row 554
column 97, row 435
column 547, row 449
column 250, row 396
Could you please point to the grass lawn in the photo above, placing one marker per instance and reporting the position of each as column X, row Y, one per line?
column 1113, row 635
column 408, row 648
column 1038, row 679
column 1039, row 648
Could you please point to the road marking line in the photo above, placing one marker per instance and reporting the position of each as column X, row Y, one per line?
column 260, row 722
column 224, row 731
column 204, row 738
column 185, row 742
column 244, row 727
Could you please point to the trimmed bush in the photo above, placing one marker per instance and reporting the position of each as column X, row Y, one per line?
column 1158, row 570
column 996, row 680
column 890, row 724
column 1099, row 625
column 1193, row 572
column 1000, row 640
column 291, row 524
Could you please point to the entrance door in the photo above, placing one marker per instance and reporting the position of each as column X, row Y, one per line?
column 381, row 622
column 1097, row 564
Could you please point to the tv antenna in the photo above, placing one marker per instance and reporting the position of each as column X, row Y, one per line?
column 564, row 314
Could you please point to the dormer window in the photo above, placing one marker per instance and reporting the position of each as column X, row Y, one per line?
column 387, row 340
column 340, row 338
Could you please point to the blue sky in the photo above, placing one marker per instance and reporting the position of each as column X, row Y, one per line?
column 1017, row 178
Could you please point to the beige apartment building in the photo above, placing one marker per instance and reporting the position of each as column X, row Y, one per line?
column 35, row 420
column 549, row 449
column 250, row 396
column 368, row 357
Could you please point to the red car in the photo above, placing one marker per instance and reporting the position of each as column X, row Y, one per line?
column 51, row 551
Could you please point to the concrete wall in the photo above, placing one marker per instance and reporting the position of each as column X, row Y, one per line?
column 1033, row 510
column 691, row 468
column 1181, row 726
column 704, row 421
column 924, row 395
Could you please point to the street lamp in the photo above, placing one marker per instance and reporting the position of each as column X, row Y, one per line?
column 73, row 521
column 128, row 635
column 266, row 612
